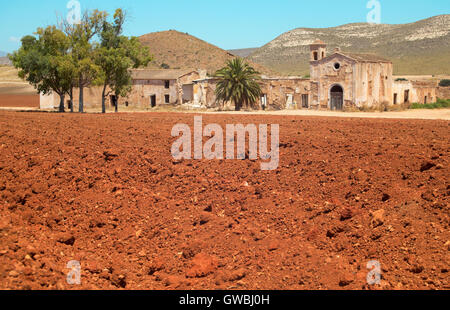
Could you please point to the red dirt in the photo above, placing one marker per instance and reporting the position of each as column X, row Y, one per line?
column 19, row 101
column 104, row 190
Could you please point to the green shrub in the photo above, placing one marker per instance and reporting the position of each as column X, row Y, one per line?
column 444, row 83
column 439, row 104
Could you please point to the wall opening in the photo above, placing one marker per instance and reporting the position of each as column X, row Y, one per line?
column 188, row 93
column 153, row 101
column 406, row 98
column 113, row 100
column 336, row 98
column 395, row 98
column 264, row 101
column 305, row 101
column 167, row 98
column 166, row 84
column 316, row 56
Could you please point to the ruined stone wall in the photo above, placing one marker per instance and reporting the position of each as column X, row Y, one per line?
column 142, row 91
column 285, row 93
column 139, row 97
column 204, row 93
column 373, row 84
column 418, row 91
column 185, row 80
column 443, row 92
column 276, row 90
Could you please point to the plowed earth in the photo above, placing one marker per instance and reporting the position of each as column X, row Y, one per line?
column 105, row 191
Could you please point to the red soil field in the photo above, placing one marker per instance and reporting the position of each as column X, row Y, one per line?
column 19, row 101
column 105, row 191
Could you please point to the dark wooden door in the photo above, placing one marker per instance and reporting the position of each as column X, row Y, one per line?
column 337, row 101
column 153, row 101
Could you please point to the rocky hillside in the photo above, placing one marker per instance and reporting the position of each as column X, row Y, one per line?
column 422, row 47
column 177, row 50
column 243, row 52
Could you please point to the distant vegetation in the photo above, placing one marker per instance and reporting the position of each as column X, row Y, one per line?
column 444, row 83
column 439, row 104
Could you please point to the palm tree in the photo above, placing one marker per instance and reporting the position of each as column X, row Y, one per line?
column 238, row 82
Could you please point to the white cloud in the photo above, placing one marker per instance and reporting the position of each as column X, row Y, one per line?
column 14, row 39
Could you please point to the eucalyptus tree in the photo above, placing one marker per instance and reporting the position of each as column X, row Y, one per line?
column 44, row 61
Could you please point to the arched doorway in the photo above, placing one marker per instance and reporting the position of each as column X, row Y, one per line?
column 336, row 98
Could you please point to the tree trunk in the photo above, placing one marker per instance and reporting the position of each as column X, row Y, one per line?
column 237, row 106
column 103, row 100
column 71, row 101
column 81, row 104
column 116, row 104
column 61, row 104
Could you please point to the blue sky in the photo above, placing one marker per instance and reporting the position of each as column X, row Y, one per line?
column 228, row 24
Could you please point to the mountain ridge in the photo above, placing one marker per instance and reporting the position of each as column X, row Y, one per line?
column 422, row 47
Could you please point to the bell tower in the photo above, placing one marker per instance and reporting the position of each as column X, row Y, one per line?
column 318, row 50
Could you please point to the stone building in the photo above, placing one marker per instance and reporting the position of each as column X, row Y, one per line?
column 158, row 87
column 345, row 80
column 338, row 81
column 150, row 88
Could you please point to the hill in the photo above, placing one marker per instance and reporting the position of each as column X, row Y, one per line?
column 243, row 52
column 422, row 47
column 182, row 51
column 10, row 83
column 5, row 61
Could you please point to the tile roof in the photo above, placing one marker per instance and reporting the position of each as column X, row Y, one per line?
column 365, row 57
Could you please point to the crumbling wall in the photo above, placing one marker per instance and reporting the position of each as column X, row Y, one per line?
column 285, row 93
column 419, row 91
column 443, row 92
column 373, row 84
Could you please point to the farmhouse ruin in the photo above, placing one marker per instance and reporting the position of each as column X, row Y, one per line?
column 338, row 80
